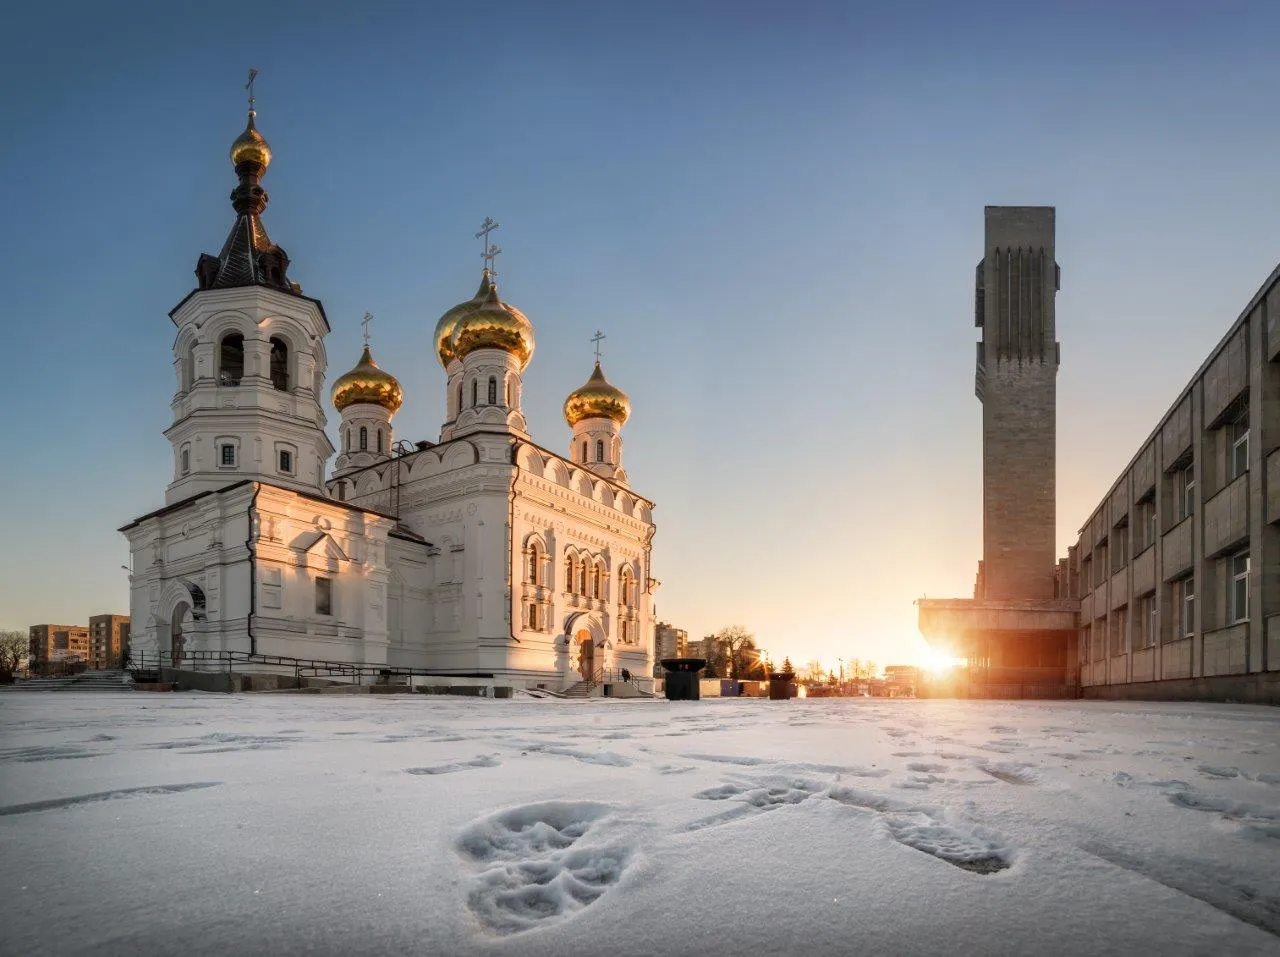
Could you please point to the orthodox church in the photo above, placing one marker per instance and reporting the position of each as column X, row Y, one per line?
column 483, row 556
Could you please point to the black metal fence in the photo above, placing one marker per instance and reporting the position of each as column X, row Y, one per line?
column 146, row 666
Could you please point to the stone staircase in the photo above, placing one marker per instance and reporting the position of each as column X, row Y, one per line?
column 583, row 689
column 102, row 682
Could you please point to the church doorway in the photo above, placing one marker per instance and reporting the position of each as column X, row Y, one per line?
column 586, row 654
column 179, row 627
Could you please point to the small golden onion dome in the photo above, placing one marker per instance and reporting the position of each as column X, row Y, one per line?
column 598, row 399
column 250, row 147
column 448, row 323
column 494, row 325
column 367, row 383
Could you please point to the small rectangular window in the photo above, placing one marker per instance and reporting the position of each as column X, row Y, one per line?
column 186, row 461
column 286, row 461
column 1186, row 491
column 324, row 596
column 1238, row 599
column 1188, row 598
column 228, row 455
column 1238, row 456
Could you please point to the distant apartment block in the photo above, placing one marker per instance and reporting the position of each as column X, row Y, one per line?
column 1178, row 568
column 670, row 641
column 108, row 640
column 57, row 643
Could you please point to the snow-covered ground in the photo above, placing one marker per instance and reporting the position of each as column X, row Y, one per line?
column 211, row 824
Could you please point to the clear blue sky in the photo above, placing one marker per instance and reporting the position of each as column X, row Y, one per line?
column 773, row 210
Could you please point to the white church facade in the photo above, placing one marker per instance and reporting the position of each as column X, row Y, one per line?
column 481, row 558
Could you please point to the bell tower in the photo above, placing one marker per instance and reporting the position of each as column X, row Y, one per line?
column 248, row 355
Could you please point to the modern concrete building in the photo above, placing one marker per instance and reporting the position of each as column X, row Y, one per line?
column 1178, row 568
column 670, row 641
column 47, row 644
column 108, row 640
column 1018, row 629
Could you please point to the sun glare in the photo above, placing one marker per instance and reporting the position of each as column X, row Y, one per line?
column 940, row 662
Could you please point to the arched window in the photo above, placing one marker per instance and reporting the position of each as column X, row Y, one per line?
column 364, row 439
column 186, row 461
column 511, row 393
column 231, row 359
column 342, row 491
column 280, row 364
column 628, row 588
column 533, row 565
column 582, row 579
column 348, row 440
column 595, row 581
column 599, row 450
column 584, row 451
column 493, row 390
column 475, row 385
column 569, row 577
column 379, row 441
column 189, row 368
column 459, row 408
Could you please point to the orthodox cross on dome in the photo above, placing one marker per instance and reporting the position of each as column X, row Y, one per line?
column 368, row 318
column 596, row 340
column 253, row 75
column 491, row 251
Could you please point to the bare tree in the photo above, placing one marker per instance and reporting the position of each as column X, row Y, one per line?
column 814, row 673
column 738, row 646
column 13, row 647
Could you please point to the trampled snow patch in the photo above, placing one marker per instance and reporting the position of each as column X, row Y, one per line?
column 416, row 824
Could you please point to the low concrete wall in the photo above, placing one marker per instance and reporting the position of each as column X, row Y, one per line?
column 1240, row 689
column 224, row 682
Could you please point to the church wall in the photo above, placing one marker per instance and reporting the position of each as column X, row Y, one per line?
column 193, row 557
column 301, row 541
column 561, row 511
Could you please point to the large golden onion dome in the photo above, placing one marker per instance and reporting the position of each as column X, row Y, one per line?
column 250, row 147
column 598, row 399
column 448, row 323
column 367, row 383
column 494, row 325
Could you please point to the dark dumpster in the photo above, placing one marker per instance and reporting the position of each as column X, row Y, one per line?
column 781, row 685
column 682, row 678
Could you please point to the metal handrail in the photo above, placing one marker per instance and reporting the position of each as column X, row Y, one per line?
column 201, row 659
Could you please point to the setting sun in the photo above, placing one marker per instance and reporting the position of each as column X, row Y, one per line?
column 940, row 662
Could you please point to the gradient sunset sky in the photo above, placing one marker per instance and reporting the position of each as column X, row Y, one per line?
column 773, row 210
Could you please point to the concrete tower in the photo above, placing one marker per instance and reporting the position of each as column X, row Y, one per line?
column 1016, row 631
column 1017, row 282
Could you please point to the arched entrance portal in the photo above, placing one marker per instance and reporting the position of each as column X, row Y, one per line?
column 586, row 653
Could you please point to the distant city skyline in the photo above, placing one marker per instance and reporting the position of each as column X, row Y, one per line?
column 773, row 214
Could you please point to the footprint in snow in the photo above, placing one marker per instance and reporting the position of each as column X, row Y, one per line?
column 1011, row 773
column 541, row 864
column 483, row 761
column 963, row 845
column 764, row 794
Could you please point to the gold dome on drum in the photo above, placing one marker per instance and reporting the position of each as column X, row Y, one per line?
column 493, row 325
column 250, row 147
column 448, row 323
column 598, row 399
column 367, row 383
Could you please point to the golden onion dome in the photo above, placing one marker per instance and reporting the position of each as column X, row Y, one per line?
column 448, row 323
column 367, row 383
column 250, row 147
column 494, row 325
column 598, row 399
